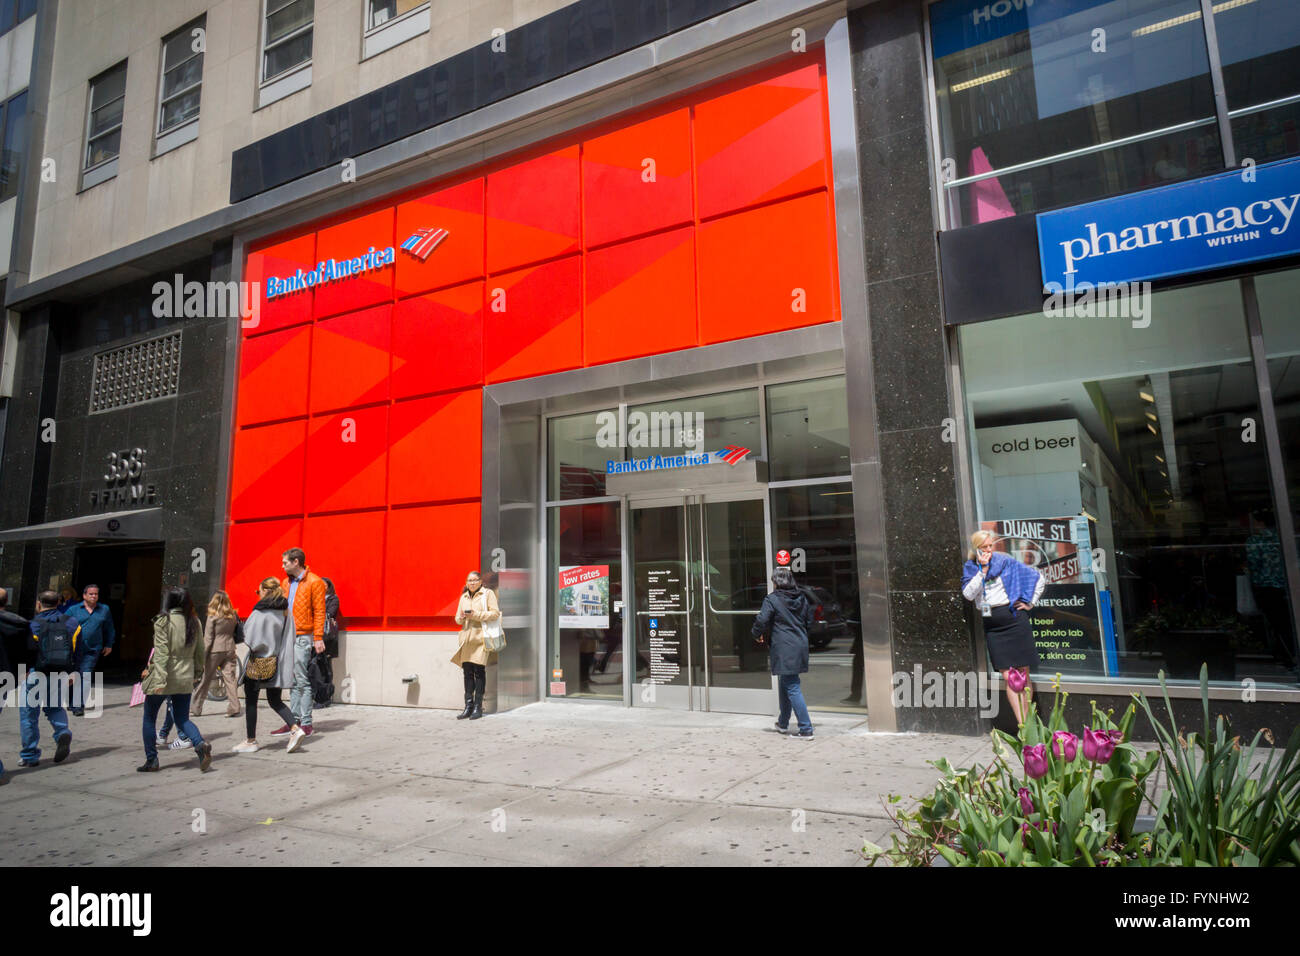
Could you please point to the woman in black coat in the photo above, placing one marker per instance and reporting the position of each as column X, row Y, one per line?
column 784, row 618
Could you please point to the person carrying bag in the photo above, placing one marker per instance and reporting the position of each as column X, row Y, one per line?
column 476, row 610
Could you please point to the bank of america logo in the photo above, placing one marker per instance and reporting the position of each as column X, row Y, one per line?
column 731, row 454
column 422, row 242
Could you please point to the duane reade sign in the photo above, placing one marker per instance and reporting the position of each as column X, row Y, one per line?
column 1234, row 217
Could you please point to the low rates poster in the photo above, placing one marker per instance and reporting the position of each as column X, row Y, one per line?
column 584, row 596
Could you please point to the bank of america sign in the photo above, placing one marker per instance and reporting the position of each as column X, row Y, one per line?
column 419, row 245
column 1235, row 217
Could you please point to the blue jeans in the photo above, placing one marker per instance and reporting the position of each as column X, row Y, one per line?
column 29, row 717
column 791, row 696
column 180, row 706
column 300, row 696
column 86, row 661
column 169, row 722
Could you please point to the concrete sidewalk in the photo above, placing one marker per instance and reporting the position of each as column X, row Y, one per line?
column 551, row 783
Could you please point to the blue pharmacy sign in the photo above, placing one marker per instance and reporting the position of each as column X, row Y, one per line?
column 1224, row 220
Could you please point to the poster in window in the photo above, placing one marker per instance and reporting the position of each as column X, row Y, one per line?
column 584, row 596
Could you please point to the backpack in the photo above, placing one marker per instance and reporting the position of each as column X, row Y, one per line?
column 320, row 674
column 331, row 629
column 53, row 644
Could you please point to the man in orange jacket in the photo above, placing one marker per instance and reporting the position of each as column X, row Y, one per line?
column 306, row 594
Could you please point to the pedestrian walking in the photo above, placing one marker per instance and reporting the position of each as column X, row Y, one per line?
column 477, row 606
column 783, row 620
column 55, row 636
column 305, row 593
column 177, row 657
column 219, row 654
column 15, row 630
column 15, row 636
column 169, row 721
column 321, row 671
column 97, row 638
column 1003, row 588
column 270, row 638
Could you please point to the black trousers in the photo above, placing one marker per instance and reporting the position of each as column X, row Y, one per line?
column 475, row 681
column 251, row 689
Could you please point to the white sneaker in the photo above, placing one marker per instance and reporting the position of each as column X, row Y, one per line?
column 247, row 747
column 295, row 739
column 161, row 741
column 180, row 743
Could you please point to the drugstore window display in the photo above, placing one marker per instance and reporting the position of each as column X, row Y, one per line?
column 1122, row 462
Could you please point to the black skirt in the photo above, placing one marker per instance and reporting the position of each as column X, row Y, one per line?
column 1010, row 639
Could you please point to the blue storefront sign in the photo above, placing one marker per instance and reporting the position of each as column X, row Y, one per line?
column 957, row 25
column 1232, row 218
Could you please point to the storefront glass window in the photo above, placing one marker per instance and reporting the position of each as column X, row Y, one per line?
column 808, row 429
column 578, row 446
column 585, row 605
column 1020, row 84
column 704, row 423
column 1125, row 459
column 819, row 520
column 1279, row 309
column 1259, row 45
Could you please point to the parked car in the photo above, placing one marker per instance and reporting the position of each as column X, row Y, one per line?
column 828, row 620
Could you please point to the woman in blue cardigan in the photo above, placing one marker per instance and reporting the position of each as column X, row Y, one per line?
column 1004, row 590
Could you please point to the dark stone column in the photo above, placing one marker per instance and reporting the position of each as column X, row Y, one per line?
column 909, row 364
column 26, row 462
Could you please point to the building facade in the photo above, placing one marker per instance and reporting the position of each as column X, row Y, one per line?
column 625, row 305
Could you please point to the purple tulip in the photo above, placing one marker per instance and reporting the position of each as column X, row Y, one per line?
column 1017, row 679
column 1116, row 735
column 1035, row 759
column 1024, row 834
column 1065, row 745
column 1026, row 801
column 1098, row 745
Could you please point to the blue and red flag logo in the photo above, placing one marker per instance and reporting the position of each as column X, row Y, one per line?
column 422, row 242
column 731, row 454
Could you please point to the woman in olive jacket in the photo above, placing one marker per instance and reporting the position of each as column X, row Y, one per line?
column 785, row 616
column 477, row 606
column 177, row 657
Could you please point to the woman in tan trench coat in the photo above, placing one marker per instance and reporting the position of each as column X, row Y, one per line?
column 477, row 605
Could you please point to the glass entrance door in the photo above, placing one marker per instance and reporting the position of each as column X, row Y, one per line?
column 699, row 575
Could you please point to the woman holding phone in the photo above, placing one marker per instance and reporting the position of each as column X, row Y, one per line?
column 477, row 606
column 1004, row 590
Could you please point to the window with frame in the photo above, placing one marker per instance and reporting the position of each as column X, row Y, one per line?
column 1050, row 104
column 182, row 77
column 104, row 123
column 383, row 12
column 13, row 147
column 14, row 12
column 286, row 36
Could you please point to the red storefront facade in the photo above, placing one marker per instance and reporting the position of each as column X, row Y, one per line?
column 358, row 416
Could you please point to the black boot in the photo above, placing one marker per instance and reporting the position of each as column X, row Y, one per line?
column 478, row 708
column 469, row 708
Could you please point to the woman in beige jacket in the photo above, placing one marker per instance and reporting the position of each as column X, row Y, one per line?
column 477, row 606
column 219, row 654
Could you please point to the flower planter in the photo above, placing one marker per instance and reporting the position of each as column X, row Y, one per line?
column 1186, row 649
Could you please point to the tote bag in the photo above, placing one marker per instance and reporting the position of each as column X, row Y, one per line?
column 494, row 636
